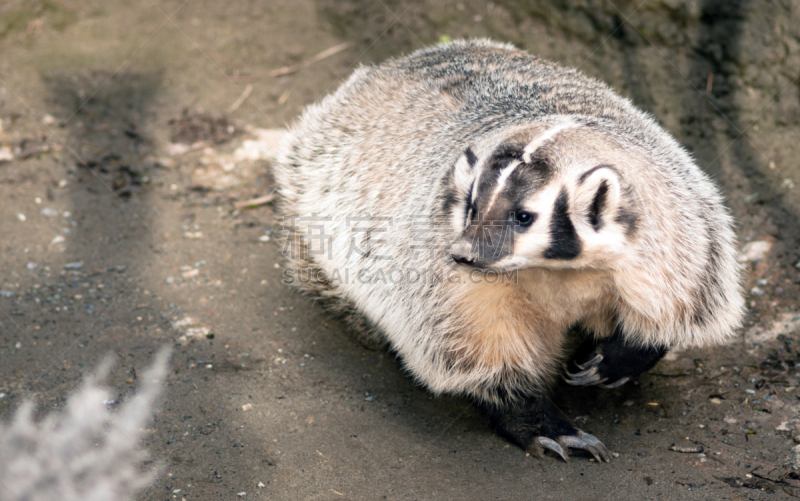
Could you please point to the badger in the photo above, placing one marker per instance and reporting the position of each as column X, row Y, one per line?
column 475, row 208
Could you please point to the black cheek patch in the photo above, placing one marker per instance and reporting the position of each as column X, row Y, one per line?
column 629, row 220
column 564, row 242
column 598, row 204
column 472, row 159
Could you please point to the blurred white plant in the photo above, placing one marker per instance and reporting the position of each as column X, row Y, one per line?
column 85, row 452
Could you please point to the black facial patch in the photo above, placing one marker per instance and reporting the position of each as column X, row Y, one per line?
column 472, row 159
column 628, row 219
column 564, row 242
column 503, row 155
column 598, row 204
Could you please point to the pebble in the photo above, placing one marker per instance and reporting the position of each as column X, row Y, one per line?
column 191, row 273
column 170, row 280
column 755, row 251
column 642, row 454
column 73, row 266
column 247, row 407
column 57, row 240
column 22, row 217
column 6, row 293
column 31, row 265
column 261, row 485
column 48, row 212
column 6, row 155
column 755, row 291
column 242, row 494
column 615, row 454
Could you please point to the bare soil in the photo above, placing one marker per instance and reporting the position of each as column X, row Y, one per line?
column 114, row 239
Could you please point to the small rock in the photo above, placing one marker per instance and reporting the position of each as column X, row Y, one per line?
column 191, row 273
column 260, row 485
column 263, row 238
column 755, row 291
column 755, row 251
column 22, row 217
column 170, row 280
column 57, row 240
column 48, row 119
column 31, row 265
column 183, row 322
column 242, row 494
column 615, row 454
column 247, row 407
column 6, row 155
column 173, row 149
column 73, row 266
column 642, row 454
column 6, row 293
column 48, row 212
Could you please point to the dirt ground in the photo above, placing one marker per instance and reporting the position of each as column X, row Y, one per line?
column 124, row 150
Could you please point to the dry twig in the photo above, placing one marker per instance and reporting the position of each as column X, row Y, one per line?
column 287, row 70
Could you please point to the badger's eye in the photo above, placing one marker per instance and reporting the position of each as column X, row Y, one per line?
column 524, row 218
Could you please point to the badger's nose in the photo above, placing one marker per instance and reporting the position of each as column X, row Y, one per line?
column 462, row 253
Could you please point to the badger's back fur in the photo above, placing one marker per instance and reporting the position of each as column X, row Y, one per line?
column 470, row 204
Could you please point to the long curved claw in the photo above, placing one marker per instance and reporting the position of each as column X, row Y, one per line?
column 549, row 443
column 591, row 363
column 616, row 383
column 588, row 443
column 584, row 378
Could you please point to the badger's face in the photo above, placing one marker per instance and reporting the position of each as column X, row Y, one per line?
column 549, row 196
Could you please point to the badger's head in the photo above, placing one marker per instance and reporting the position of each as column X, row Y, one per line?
column 551, row 195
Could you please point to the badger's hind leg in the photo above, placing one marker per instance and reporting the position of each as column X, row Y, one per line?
column 612, row 362
column 536, row 425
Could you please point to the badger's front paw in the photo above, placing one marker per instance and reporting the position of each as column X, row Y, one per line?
column 578, row 440
column 537, row 425
column 614, row 362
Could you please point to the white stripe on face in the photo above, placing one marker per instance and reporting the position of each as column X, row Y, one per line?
column 501, row 181
column 547, row 136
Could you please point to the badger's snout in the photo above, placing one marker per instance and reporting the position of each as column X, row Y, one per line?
column 462, row 253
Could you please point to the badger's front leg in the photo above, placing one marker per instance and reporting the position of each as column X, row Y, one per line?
column 535, row 424
column 613, row 362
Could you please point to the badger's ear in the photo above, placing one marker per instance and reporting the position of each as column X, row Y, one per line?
column 464, row 171
column 599, row 196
